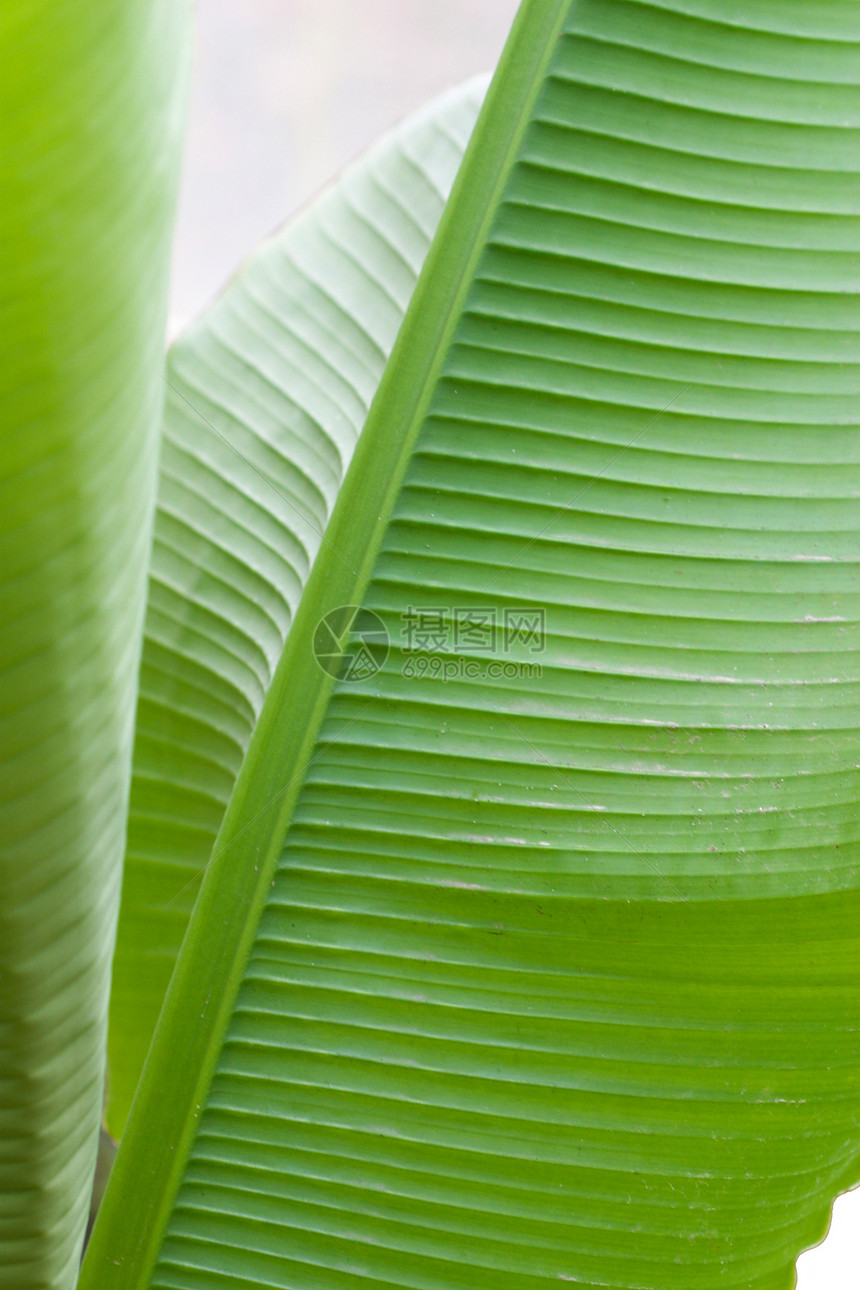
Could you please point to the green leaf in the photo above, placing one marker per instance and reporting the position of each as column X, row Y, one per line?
column 267, row 395
column 505, row 978
column 90, row 147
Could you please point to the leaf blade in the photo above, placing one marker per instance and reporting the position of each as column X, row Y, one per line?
column 91, row 121
column 266, row 397
column 561, row 937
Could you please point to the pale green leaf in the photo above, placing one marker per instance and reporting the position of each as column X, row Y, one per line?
column 267, row 394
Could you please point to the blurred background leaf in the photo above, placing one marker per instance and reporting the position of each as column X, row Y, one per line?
column 91, row 115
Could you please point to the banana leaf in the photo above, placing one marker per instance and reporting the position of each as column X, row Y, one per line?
column 528, row 952
column 266, row 396
column 90, row 116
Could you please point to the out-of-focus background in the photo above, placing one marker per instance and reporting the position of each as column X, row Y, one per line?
column 285, row 93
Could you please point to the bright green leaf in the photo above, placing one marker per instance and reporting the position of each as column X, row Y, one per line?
column 513, row 979
column 90, row 123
